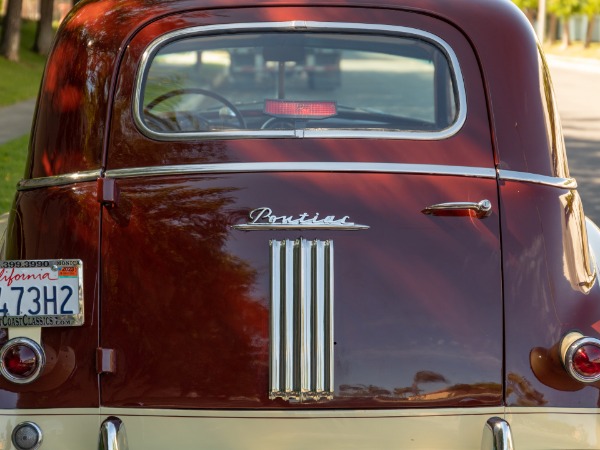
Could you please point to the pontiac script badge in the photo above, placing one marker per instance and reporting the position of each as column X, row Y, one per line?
column 263, row 219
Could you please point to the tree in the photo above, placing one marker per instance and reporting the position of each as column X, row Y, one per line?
column 564, row 9
column 11, row 30
column 529, row 7
column 590, row 8
column 44, row 32
column 541, row 21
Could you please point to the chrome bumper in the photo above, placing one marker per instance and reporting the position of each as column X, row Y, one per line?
column 496, row 435
column 112, row 435
column 531, row 428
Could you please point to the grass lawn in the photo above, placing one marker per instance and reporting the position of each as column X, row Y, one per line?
column 13, row 155
column 21, row 80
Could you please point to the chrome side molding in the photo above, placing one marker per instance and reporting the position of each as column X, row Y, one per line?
column 311, row 166
column 112, row 435
column 301, row 342
column 497, row 435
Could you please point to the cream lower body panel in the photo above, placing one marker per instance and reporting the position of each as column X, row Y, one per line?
column 303, row 430
column 447, row 429
column 554, row 428
column 64, row 429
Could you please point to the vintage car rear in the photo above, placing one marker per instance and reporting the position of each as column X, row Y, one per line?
column 370, row 240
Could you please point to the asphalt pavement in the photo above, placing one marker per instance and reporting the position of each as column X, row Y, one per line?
column 15, row 120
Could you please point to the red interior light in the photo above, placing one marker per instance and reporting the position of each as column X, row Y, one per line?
column 300, row 109
column 586, row 360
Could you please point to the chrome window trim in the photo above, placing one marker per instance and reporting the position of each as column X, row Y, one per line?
column 59, row 180
column 311, row 133
column 257, row 167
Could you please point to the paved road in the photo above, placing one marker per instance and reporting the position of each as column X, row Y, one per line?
column 577, row 87
column 15, row 121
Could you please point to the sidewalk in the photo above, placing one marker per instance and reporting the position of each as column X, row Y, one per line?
column 15, row 120
column 578, row 64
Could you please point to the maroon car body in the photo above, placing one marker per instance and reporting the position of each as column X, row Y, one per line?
column 462, row 254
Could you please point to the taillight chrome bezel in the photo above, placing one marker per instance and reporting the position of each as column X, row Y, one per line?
column 35, row 348
column 570, row 344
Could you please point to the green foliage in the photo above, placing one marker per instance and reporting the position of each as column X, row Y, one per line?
column 564, row 8
column 590, row 7
column 526, row 4
column 21, row 80
column 13, row 156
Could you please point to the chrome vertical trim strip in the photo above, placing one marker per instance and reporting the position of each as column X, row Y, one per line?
column 305, row 314
column 320, row 324
column 329, row 387
column 301, row 320
column 289, row 313
column 275, row 341
column 497, row 435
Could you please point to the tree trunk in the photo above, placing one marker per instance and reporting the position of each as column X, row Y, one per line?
column 566, row 35
column 541, row 21
column 44, row 32
column 588, row 31
column 552, row 31
column 11, row 30
column 529, row 14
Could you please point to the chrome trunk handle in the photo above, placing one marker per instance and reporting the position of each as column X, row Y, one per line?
column 497, row 435
column 481, row 209
column 112, row 435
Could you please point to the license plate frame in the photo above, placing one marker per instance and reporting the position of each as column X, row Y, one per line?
column 41, row 293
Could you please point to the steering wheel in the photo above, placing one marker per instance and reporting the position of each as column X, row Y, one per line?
column 175, row 92
column 278, row 123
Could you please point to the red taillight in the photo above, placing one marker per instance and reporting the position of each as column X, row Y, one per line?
column 586, row 360
column 300, row 109
column 21, row 360
column 581, row 357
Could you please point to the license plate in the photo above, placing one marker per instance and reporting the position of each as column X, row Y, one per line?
column 41, row 293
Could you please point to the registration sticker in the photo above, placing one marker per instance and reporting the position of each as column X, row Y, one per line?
column 41, row 293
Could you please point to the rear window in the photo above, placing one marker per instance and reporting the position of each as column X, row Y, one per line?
column 318, row 81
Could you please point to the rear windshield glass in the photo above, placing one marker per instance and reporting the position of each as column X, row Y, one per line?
column 297, row 81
